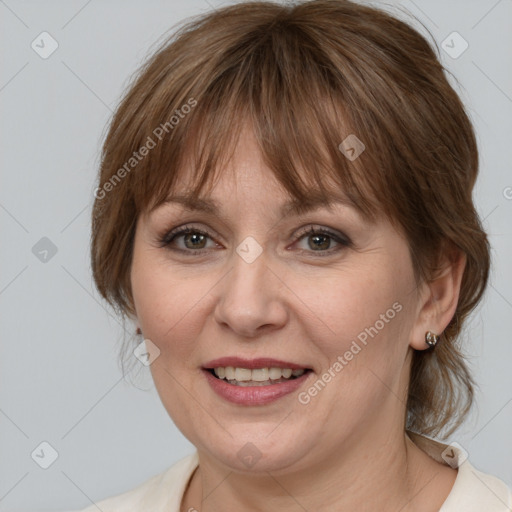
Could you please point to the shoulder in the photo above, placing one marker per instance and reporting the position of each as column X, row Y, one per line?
column 162, row 492
column 476, row 491
column 473, row 490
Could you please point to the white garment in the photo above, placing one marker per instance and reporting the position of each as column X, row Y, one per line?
column 473, row 491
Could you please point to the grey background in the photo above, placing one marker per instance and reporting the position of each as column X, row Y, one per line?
column 60, row 380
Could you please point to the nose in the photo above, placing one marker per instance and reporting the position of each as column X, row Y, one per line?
column 251, row 300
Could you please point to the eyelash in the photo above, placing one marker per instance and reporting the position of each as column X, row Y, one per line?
column 171, row 236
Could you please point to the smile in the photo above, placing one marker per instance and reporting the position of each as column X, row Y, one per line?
column 257, row 376
column 256, row 381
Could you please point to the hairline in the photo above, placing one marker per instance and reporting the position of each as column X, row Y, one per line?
column 292, row 206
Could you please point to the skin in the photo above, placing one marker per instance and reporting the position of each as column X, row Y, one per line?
column 344, row 450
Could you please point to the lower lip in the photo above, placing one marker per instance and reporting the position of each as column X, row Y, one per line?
column 253, row 395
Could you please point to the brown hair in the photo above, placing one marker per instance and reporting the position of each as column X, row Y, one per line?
column 306, row 76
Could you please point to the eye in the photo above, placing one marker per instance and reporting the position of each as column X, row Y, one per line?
column 319, row 240
column 194, row 239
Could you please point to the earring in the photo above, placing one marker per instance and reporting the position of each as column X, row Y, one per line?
column 431, row 338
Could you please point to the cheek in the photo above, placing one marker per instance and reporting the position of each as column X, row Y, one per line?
column 358, row 321
column 169, row 312
column 344, row 304
column 171, row 309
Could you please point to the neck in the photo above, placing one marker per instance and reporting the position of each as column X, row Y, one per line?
column 378, row 471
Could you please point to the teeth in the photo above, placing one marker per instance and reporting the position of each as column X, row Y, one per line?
column 257, row 376
column 274, row 373
column 242, row 374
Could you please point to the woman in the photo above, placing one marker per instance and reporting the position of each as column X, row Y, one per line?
column 284, row 211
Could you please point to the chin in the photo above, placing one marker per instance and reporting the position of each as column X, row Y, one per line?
column 256, row 448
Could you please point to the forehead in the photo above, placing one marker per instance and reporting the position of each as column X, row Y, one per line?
column 246, row 166
column 290, row 206
column 207, row 176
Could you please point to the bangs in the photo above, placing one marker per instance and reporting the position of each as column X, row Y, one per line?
column 298, row 124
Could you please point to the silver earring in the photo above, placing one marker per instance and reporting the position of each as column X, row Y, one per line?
column 431, row 338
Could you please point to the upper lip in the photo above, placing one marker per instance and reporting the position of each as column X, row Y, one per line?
column 260, row 362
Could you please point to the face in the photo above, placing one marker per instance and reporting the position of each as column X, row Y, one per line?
column 324, row 293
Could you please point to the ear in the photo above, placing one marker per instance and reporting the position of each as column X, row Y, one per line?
column 133, row 318
column 439, row 297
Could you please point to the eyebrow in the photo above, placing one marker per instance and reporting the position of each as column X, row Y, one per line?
column 292, row 206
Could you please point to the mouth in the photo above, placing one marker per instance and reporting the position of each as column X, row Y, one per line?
column 267, row 376
column 256, row 381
